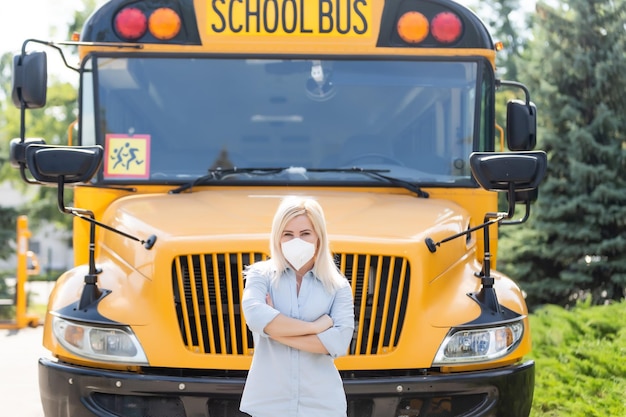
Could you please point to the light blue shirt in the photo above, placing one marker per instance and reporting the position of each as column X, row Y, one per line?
column 284, row 381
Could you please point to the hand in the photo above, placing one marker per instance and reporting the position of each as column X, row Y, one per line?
column 323, row 323
column 268, row 300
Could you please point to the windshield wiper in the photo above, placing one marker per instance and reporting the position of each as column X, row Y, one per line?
column 219, row 174
column 376, row 173
column 407, row 185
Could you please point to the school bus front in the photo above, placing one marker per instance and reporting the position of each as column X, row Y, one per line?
column 206, row 114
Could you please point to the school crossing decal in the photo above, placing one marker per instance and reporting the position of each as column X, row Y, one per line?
column 289, row 17
column 127, row 156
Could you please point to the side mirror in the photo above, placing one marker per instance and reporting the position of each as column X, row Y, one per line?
column 70, row 164
column 512, row 172
column 528, row 196
column 521, row 125
column 30, row 80
column 517, row 173
column 17, row 150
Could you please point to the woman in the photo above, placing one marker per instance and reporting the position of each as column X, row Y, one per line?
column 300, row 310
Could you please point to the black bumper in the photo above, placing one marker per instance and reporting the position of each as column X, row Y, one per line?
column 69, row 390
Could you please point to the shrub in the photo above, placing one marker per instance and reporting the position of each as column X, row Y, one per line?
column 580, row 370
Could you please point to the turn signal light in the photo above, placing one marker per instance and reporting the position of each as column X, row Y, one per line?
column 164, row 23
column 413, row 27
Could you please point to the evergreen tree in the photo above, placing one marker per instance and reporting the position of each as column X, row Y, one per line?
column 508, row 25
column 575, row 242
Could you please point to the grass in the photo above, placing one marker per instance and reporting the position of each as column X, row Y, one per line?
column 580, row 366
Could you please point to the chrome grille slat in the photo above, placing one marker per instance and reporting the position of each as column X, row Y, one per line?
column 208, row 287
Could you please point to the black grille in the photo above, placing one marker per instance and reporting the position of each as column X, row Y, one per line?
column 208, row 287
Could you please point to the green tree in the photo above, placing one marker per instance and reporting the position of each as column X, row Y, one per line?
column 575, row 242
column 50, row 123
column 8, row 223
column 80, row 16
column 8, row 215
column 509, row 25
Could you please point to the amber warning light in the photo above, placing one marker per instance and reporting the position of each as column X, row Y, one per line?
column 131, row 23
column 444, row 27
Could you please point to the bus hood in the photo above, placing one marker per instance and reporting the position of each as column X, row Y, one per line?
column 216, row 232
column 240, row 221
column 246, row 216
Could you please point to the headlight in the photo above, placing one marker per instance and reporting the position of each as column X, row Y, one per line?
column 479, row 344
column 110, row 344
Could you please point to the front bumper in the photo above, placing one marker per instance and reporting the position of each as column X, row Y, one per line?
column 69, row 390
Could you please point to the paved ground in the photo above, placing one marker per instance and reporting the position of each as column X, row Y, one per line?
column 19, row 352
column 19, row 387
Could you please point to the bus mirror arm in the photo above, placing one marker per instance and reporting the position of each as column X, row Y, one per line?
column 432, row 245
column 61, row 165
column 29, row 86
column 55, row 46
column 91, row 292
column 521, row 119
column 490, row 218
column 519, row 174
column 50, row 164
column 516, row 84
column 88, row 216
column 486, row 298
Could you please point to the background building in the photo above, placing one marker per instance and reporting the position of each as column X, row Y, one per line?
column 51, row 244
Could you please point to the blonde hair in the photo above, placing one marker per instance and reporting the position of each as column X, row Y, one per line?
column 324, row 268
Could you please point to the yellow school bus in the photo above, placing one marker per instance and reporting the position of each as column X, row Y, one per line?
column 197, row 117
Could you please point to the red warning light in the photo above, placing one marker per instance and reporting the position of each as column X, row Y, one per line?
column 131, row 23
column 446, row 27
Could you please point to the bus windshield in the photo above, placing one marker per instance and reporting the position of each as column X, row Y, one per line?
column 169, row 120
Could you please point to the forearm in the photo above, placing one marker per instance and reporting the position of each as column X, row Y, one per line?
column 283, row 325
column 309, row 343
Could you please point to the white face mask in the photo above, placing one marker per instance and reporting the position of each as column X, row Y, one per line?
column 298, row 252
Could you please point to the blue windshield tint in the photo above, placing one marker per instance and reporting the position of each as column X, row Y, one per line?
column 179, row 117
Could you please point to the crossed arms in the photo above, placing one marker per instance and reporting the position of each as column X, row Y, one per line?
column 329, row 334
